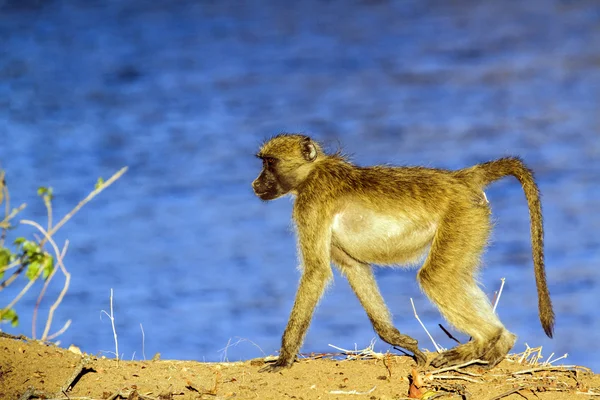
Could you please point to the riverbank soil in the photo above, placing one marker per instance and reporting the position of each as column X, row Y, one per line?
column 31, row 369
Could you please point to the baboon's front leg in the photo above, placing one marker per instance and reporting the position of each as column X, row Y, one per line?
column 361, row 279
column 312, row 284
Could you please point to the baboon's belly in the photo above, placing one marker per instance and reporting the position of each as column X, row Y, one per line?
column 382, row 239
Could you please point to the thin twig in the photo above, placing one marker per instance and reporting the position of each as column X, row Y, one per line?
column 60, row 331
column 457, row 367
column 48, row 205
column 508, row 393
column 239, row 340
column 552, row 368
column 359, row 354
column 143, row 342
column 550, row 362
column 499, row 294
column 72, row 398
column 457, row 377
column 352, row 391
column 589, row 393
column 39, row 301
column 112, row 320
column 63, row 292
column 73, row 377
column 448, row 333
column 437, row 348
column 89, row 197
column 24, row 290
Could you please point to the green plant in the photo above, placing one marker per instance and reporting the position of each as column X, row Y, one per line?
column 28, row 257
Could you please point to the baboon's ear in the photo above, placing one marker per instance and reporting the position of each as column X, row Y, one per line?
column 309, row 150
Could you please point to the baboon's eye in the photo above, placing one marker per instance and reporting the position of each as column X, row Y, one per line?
column 268, row 161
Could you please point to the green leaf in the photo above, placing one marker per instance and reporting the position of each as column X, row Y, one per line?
column 32, row 270
column 45, row 192
column 31, row 248
column 5, row 257
column 9, row 315
column 19, row 241
column 47, row 265
column 99, row 183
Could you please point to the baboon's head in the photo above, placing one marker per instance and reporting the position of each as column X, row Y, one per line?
column 287, row 161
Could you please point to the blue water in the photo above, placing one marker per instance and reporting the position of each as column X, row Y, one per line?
column 184, row 92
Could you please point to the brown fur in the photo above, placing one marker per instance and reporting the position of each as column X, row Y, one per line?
column 354, row 216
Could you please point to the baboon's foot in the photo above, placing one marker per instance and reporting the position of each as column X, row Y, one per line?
column 392, row 336
column 492, row 351
column 283, row 361
column 495, row 353
column 459, row 355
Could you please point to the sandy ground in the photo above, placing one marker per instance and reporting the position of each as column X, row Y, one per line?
column 31, row 369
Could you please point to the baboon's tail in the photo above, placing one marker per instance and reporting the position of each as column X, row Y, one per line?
column 486, row 173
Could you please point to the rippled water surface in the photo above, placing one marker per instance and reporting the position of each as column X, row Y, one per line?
column 184, row 92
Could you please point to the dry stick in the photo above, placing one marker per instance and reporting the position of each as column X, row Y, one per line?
column 87, row 199
column 548, row 362
column 457, row 367
column 508, row 393
column 552, row 368
column 24, row 290
column 48, row 205
column 437, row 348
column 59, row 257
column 368, row 352
column 63, row 292
column 4, row 195
column 112, row 320
column 70, row 398
column 60, row 331
column 39, row 301
column 457, row 377
column 352, row 391
column 588, row 393
column 448, row 333
column 43, row 291
column 16, row 263
column 499, row 294
column 143, row 342
column 76, row 373
column 224, row 349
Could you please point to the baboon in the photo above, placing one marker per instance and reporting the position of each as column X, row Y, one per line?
column 356, row 216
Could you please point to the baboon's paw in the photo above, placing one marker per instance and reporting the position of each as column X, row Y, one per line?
column 493, row 358
column 278, row 365
column 495, row 353
column 420, row 358
column 458, row 355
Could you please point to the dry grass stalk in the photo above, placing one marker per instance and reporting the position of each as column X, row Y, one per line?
column 367, row 353
column 352, row 391
column 112, row 320
column 439, row 349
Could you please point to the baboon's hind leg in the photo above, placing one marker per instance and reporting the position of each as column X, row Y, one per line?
column 361, row 279
column 447, row 277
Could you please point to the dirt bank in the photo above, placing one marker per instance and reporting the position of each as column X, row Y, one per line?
column 38, row 370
